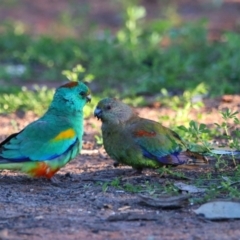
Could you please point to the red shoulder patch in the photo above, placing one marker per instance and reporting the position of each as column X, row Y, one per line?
column 143, row 133
column 69, row 85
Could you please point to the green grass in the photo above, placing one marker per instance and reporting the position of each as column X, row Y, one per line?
column 132, row 61
column 22, row 99
column 216, row 185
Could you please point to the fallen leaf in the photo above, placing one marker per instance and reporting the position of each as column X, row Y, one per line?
column 219, row 210
column 189, row 188
column 164, row 201
column 225, row 151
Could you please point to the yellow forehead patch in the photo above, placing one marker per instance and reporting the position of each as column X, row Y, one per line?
column 67, row 134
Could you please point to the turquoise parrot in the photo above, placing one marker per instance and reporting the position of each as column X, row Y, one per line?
column 49, row 143
column 139, row 142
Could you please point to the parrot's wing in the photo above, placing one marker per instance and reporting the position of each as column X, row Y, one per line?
column 39, row 141
column 158, row 142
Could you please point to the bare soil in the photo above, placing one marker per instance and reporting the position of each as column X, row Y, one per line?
column 76, row 205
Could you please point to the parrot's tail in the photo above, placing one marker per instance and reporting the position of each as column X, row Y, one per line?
column 184, row 158
column 10, row 166
column 195, row 159
column 34, row 169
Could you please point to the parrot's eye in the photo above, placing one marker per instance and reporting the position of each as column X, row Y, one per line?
column 108, row 107
column 82, row 93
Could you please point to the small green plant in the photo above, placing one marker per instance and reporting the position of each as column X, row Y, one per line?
column 152, row 188
column 197, row 135
column 99, row 139
column 105, row 186
column 217, row 186
column 78, row 73
column 169, row 170
column 115, row 182
column 130, row 34
column 200, row 135
column 232, row 142
column 169, row 188
column 24, row 99
column 229, row 116
column 128, row 187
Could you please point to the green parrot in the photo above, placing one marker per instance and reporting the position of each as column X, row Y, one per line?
column 139, row 142
column 49, row 143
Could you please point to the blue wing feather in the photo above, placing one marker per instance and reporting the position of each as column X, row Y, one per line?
column 158, row 143
column 26, row 159
column 34, row 143
column 173, row 158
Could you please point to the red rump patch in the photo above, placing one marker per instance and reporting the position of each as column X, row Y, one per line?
column 43, row 170
column 69, row 85
column 143, row 133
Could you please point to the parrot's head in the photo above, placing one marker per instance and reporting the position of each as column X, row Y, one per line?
column 71, row 97
column 113, row 111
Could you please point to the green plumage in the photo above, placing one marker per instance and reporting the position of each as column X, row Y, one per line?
column 138, row 142
column 47, row 144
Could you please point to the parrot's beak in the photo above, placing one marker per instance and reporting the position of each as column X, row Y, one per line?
column 98, row 113
column 89, row 97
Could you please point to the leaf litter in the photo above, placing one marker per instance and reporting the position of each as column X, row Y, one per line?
column 218, row 210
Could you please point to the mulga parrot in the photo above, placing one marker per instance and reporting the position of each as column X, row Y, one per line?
column 140, row 142
column 49, row 143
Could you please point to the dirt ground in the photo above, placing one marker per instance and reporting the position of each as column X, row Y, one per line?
column 77, row 207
